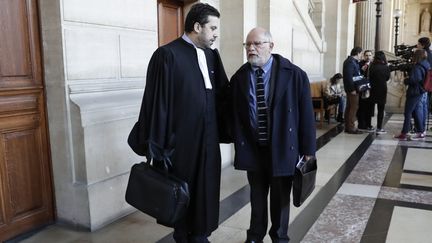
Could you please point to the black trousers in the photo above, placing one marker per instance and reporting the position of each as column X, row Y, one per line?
column 364, row 113
column 261, row 183
column 380, row 115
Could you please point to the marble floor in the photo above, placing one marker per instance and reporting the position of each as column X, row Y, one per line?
column 370, row 188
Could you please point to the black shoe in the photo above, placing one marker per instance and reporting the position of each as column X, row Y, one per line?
column 340, row 119
column 368, row 129
column 354, row 132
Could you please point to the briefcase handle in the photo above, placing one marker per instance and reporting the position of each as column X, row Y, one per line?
column 160, row 159
column 163, row 165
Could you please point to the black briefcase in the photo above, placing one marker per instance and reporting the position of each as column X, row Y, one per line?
column 304, row 180
column 157, row 193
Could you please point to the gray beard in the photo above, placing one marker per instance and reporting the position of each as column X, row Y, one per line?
column 254, row 61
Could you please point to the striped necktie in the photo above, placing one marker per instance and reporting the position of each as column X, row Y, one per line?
column 261, row 108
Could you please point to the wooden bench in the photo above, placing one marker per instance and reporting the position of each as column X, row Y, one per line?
column 317, row 94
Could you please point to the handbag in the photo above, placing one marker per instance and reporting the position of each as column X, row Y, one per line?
column 365, row 94
column 361, row 83
column 158, row 193
column 304, row 180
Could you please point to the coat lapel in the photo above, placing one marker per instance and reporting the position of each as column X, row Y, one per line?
column 244, row 87
column 273, row 76
column 244, row 83
column 281, row 79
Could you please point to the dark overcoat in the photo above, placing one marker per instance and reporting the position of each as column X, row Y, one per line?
column 379, row 74
column 178, row 120
column 351, row 69
column 291, row 118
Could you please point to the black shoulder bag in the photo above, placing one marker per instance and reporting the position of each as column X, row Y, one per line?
column 158, row 193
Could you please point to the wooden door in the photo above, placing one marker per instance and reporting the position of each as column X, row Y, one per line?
column 26, row 196
column 170, row 20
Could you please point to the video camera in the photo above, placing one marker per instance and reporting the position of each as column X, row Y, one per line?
column 404, row 51
column 405, row 54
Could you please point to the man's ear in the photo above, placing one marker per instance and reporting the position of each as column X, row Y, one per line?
column 197, row 27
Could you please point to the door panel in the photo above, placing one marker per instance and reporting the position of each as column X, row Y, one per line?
column 24, row 173
column 19, row 44
column 15, row 39
column 26, row 200
column 170, row 20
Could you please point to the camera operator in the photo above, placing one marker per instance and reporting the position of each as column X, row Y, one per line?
column 413, row 96
column 425, row 43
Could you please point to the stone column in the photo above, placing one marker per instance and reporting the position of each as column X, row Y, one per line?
column 332, row 32
column 388, row 26
column 95, row 60
column 347, row 32
column 365, row 25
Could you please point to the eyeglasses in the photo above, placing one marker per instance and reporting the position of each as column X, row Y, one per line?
column 257, row 44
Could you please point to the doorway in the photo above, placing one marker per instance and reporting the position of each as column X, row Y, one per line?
column 26, row 194
column 170, row 20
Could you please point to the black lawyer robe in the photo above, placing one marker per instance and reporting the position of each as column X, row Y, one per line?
column 178, row 119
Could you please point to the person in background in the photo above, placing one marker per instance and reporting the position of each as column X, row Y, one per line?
column 413, row 96
column 351, row 70
column 365, row 110
column 365, row 62
column 334, row 94
column 379, row 74
column 178, row 119
column 425, row 43
column 272, row 124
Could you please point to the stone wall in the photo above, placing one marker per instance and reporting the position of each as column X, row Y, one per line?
column 294, row 34
column 95, row 59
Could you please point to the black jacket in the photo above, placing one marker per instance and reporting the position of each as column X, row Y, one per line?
column 379, row 73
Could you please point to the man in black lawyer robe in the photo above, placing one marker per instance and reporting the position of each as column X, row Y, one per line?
column 178, row 118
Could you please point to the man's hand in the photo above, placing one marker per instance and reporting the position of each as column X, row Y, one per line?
column 353, row 92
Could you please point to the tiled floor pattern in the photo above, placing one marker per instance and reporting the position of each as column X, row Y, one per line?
column 387, row 194
column 420, row 222
column 404, row 165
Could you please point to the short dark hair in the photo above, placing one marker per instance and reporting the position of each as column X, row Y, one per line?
column 367, row 51
column 425, row 41
column 199, row 14
column 380, row 57
column 356, row 50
